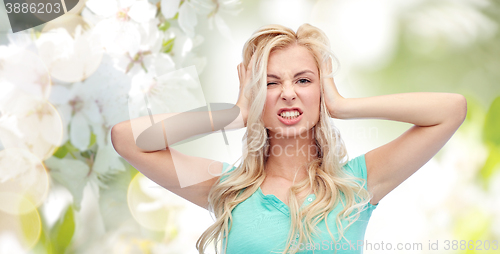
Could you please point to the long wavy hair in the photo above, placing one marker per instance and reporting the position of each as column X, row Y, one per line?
column 326, row 176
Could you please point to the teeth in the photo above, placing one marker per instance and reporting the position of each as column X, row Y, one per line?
column 290, row 114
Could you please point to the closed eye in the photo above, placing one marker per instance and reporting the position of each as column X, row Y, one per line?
column 272, row 83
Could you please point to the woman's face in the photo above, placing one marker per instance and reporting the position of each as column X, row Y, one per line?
column 293, row 92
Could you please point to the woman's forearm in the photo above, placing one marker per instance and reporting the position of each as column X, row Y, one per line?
column 419, row 108
column 163, row 130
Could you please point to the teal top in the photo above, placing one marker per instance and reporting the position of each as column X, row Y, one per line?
column 261, row 223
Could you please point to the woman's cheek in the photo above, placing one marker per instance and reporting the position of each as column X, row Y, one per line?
column 268, row 111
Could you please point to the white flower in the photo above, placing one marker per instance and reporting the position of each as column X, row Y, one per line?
column 213, row 9
column 151, row 38
column 69, row 59
column 73, row 174
column 221, row 26
column 187, row 18
column 22, row 172
column 142, row 11
column 182, row 51
column 24, row 70
column 176, row 91
column 107, row 160
column 9, row 126
column 109, row 87
column 120, row 30
column 169, row 8
column 137, row 10
column 119, row 37
column 104, row 8
column 21, row 39
column 38, row 127
column 84, row 111
column 80, row 132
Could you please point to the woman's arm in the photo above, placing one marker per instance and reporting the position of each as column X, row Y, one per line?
column 436, row 117
column 153, row 133
column 419, row 108
column 187, row 176
column 156, row 132
column 144, row 143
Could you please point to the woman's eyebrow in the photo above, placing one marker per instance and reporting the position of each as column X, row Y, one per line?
column 272, row 76
column 303, row 72
column 296, row 75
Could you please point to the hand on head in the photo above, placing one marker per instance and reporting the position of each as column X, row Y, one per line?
column 333, row 99
column 245, row 77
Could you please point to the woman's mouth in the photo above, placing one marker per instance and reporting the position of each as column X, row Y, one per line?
column 290, row 117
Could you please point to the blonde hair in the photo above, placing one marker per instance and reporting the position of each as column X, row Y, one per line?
column 326, row 176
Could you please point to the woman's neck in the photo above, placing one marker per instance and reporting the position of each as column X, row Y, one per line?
column 288, row 156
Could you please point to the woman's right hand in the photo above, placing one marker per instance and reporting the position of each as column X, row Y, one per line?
column 245, row 76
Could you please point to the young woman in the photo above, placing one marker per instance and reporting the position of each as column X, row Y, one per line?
column 295, row 190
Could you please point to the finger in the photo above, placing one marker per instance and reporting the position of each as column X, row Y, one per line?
column 252, row 62
column 240, row 73
column 327, row 67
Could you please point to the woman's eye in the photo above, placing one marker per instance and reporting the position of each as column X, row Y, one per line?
column 303, row 81
column 270, row 84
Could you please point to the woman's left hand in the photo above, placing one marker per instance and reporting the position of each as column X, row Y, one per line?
column 333, row 99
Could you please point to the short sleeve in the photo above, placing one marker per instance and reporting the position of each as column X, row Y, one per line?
column 226, row 168
column 357, row 168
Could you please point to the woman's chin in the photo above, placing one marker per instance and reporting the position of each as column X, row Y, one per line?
column 291, row 132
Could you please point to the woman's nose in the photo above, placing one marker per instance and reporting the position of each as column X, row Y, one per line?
column 288, row 92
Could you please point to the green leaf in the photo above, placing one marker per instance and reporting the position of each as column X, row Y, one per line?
column 70, row 147
column 31, row 225
column 164, row 26
column 62, row 232
column 491, row 165
column 86, row 154
column 92, row 139
column 491, row 128
column 61, row 152
column 168, row 45
column 44, row 245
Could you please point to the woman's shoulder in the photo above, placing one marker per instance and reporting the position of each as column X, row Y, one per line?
column 357, row 167
column 226, row 169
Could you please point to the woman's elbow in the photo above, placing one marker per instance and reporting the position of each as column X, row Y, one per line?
column 462, row 108
column 117, row 136
column 458, row 110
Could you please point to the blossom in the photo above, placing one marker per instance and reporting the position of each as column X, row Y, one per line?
column 70, row 59
column 22, row 69
column 213, row 10
column 123, row 24
column 35, row 123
